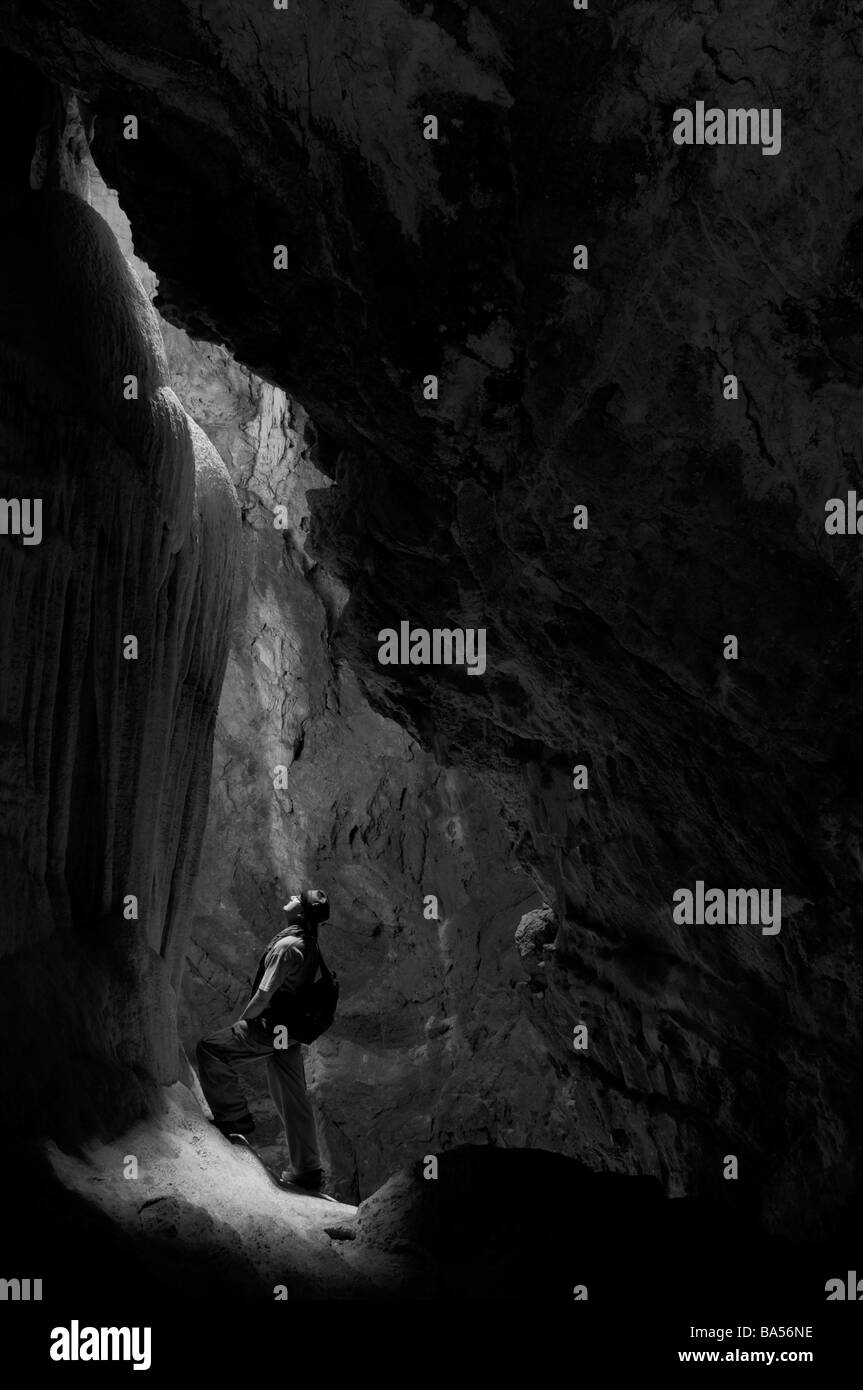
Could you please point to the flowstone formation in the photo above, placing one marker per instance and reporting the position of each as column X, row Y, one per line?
column 113, row 643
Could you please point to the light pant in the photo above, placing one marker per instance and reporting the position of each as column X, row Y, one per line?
column 246, row 1041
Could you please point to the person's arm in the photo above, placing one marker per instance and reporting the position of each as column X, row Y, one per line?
column 257, row 1004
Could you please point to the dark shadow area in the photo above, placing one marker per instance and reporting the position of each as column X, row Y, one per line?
column 496, row 1224
column 525, row 1225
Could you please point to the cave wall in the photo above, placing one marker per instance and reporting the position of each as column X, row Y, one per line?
column 426, row 1004
column 303, row 127
column 104, row 761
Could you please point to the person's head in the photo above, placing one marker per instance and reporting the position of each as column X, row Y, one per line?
column 311, row 906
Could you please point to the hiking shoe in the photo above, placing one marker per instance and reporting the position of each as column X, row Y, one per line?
column 244, row 1125
column 313, row 1181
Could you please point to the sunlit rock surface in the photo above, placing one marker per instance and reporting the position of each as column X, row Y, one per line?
column 367, row 814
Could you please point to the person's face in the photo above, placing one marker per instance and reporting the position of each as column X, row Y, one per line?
column 294, row 907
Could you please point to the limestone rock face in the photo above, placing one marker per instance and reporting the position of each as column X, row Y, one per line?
column 104, row 757
column 303, row 128
column 426, row 999
column 426, row 984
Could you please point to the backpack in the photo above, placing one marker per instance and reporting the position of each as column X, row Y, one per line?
column 308, row 1011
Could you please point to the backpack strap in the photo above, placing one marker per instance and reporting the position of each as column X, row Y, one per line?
column 327, row 974
column 259, row 973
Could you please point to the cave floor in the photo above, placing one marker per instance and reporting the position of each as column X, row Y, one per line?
column 197, row 1207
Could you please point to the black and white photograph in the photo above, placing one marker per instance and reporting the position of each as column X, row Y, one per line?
column 431, row 687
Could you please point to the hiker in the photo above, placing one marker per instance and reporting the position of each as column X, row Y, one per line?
column 285, row 974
